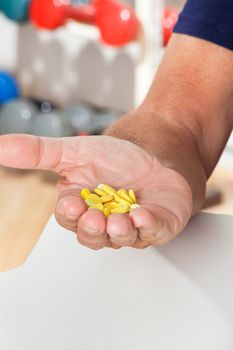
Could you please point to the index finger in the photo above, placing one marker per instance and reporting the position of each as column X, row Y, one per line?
column 30, row 152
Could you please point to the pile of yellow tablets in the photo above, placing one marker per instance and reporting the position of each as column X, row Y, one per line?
column 110, row 201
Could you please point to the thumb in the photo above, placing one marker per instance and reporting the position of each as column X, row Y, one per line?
column 30, row 152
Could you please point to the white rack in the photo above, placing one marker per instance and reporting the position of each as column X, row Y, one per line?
column 150, row 14
column 69, row 64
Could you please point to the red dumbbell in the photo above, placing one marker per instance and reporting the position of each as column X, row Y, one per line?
column 170, row 17
column 117, row 22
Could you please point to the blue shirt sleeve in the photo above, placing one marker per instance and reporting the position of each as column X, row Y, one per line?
column 211, row 20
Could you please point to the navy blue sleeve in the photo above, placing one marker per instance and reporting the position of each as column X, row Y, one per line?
column 211, row 20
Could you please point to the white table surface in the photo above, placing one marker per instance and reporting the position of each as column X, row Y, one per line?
column 66, row 297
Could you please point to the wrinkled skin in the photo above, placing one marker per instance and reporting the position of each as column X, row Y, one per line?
column 164, row 195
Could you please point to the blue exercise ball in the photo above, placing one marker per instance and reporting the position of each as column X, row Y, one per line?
column 16, row 10
column 9, row 89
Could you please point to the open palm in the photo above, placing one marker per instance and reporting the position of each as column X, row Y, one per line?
column 164, row 195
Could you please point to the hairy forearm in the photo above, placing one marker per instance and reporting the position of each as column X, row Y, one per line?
column 194, row 88
column 186, row 118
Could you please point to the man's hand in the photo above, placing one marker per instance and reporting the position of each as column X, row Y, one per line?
column 164, row 195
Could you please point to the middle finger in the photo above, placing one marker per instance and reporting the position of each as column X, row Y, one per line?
column 121, row 230
column 91, row 229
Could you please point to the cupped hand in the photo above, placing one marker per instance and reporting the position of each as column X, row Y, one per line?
column 164, row 195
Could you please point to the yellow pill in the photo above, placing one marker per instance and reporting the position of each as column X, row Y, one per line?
column 101, row 193
column 106, row 188
column 106, row 199
column 123, row 194
column 107, row 212
column 110, row 201
column 122, row 190
column 122, row 201
column 93, row 199
column 132, row 196
column 108, row 205
column 113, row 204
column 120, row 210
column 97, row 206
column 85, row 192
column 134, row 206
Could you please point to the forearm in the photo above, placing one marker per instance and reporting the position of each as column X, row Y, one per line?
column 186, row 118
column 194, row 88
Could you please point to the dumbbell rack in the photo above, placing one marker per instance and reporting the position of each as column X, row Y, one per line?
column 119, row 79
column 54, row 65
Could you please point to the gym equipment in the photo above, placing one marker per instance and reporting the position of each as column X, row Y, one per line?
column 79, row 117
column 117, row 22
column 170, row 17
column 9, row 88
column 52, row 124
column 44, row 106
column 16, row 117
column 16, row 10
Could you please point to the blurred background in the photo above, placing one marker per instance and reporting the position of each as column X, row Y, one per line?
column 72, row 68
